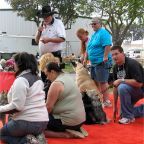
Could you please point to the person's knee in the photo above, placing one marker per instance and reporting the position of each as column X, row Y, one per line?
column 123, row 88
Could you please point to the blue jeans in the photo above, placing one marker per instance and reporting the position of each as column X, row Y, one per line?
column 14, row 132
column 128, row 97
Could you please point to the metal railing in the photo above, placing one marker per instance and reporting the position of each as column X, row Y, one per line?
column 71, row 47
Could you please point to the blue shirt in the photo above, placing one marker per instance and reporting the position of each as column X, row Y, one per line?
column 96, row 46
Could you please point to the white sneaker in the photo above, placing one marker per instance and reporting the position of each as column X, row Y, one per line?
column 126, row 120
column 107, row 103
column 31, row 139
column 41, row 139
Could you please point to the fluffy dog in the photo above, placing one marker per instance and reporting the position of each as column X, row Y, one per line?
column 3, row 101
column 96, row 113
column 69, row 58
column 46, row 58
column 91, row 96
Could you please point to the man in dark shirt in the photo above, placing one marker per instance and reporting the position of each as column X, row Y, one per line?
column 128, row 84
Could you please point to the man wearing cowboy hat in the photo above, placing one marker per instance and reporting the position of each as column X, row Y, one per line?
column 51, row 34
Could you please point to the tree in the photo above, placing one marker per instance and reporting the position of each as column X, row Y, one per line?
column 135, row 32
column 28, row 9
column 119, row 15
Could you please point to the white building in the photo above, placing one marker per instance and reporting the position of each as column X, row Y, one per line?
column 138, row 44
column 16, row 34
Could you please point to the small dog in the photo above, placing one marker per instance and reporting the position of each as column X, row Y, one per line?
column 91, row 96
column 3, row 101
column 96, row 114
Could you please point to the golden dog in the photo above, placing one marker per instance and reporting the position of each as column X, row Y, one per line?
column 92, row 97
column 83, row 79
column 46, row 58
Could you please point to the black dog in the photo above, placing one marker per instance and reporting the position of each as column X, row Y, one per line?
column 94, row 110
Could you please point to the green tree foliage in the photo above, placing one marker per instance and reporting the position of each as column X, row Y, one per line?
column 28, row 8
column 135, row 32
column 119, row 15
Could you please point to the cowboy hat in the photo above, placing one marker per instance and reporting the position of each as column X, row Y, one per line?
column 46, row 11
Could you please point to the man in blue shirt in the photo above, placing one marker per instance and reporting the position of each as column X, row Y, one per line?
column 98, row 50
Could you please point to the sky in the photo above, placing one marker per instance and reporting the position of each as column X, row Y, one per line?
column 4, row 4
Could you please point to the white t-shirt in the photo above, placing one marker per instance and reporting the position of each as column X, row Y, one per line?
column 55, row 30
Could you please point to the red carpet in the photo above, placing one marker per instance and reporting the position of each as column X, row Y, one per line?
column 112, row 133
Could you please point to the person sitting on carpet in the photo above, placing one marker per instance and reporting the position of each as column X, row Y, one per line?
column 26, row 103
column 128, row 84
column 64, row 104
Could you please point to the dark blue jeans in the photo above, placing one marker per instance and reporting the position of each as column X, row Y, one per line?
column 128, row 97
column 14, row 132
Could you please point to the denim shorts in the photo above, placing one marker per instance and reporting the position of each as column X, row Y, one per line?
column 100, row 72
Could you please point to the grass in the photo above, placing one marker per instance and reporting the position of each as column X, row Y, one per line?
column 68, row 68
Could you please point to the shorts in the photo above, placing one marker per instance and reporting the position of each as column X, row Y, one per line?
column 100, row 72
column 57, row 126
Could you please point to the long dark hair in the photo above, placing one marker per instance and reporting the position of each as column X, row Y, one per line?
column 25, row 61
column 55, row 66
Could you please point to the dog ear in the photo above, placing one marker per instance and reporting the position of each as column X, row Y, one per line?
column 73, row 63
column 79, row 61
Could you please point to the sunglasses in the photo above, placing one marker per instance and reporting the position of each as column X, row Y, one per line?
column 93, row 23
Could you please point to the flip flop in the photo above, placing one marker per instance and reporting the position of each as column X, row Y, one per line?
column 83, row 131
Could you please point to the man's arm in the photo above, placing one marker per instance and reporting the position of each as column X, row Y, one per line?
column 38, row 33
column 106, row 52
column 132, row 82
column 37, row 36
column 53, row 40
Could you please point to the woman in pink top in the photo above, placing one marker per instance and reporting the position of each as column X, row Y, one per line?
column 82, row 34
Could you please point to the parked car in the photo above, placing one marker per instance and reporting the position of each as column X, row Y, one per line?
column 135, row 53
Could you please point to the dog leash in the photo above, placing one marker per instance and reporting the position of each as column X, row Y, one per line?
column 103, row 91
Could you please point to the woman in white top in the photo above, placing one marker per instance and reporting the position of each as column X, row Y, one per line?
column 26, row 103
